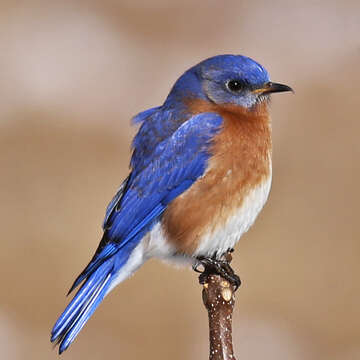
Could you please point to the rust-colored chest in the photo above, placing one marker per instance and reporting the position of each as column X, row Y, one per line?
column 241, row 161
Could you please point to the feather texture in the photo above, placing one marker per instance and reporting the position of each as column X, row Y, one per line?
column 175, row 164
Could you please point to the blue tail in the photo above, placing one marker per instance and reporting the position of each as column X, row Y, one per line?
column 83, row 305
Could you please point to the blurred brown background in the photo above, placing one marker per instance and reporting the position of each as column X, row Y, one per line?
column 73, row 74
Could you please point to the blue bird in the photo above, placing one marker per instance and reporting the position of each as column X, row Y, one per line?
column 200, row 174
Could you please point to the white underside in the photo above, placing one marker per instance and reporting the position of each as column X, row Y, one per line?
column 222, row 238
column 216, row 241
column 154, row 244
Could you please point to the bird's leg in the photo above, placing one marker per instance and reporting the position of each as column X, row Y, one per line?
column 213, row 265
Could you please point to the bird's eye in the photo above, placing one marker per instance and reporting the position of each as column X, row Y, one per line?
column 235, row 85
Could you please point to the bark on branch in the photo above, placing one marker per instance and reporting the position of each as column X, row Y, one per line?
column 219, row 299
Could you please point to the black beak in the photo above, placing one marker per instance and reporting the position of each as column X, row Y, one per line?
column 272, row 87
column 276, row 87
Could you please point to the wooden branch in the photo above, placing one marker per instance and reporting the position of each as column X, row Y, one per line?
column 219, row 299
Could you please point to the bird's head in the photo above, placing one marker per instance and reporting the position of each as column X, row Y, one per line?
column 227, row 79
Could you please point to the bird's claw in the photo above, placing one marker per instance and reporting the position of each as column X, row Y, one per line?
column 196, row 266
column 218, row 267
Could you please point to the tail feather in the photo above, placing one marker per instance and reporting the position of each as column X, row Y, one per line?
column 99, row 277
column 82, row 306
column 100, row 257
column 84, row 315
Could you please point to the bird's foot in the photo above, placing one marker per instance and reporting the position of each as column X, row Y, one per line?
column 213, row 266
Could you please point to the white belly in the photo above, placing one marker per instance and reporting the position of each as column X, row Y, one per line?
column 224, row 237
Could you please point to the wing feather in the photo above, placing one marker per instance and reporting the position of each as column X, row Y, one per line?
column 175, row 164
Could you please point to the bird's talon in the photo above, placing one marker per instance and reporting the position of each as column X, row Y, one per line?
column 203, row 278
column 217, row 267
column 196, row 266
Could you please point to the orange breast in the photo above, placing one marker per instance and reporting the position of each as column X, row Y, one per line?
column 240, row 162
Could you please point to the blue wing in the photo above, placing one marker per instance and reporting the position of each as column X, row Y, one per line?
column 115, row 201
column 174, row 165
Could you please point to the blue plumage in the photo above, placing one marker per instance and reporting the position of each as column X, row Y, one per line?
column 114, row 202
column 82, row 306
column 170, row 152
column 175, row 164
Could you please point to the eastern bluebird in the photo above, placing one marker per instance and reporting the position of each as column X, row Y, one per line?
column 200, row 174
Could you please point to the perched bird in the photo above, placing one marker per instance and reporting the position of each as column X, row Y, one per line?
column 200, row 174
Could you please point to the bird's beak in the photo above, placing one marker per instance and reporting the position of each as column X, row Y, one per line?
column 272, row 87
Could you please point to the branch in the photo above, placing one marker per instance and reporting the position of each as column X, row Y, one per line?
column 219, row 299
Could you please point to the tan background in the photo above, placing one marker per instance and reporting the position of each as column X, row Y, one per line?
column 72, row 75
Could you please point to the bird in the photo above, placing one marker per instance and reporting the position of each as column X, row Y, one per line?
column 200, row 173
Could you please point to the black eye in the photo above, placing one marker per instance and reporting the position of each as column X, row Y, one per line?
column 235, row 85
